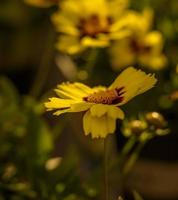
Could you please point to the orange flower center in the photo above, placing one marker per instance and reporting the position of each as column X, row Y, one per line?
column 109, row 97
column 94, row 25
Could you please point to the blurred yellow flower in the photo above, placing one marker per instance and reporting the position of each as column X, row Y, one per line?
column 42, row 3
column 101, row 104
column 142, row 46
column 87, row 23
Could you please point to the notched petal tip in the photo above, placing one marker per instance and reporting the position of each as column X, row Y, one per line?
column 86, row 123
column 59, row 112
column 135, row 82
column 98, row 127
column 116, row 113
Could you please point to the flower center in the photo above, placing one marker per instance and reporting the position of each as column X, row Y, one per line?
column 109, row 97
column 94, row 25
column 139, row 48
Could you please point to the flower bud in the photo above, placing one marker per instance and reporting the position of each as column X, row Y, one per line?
column 155, row 119
column 53, row 163
column 174, row 96
column 137, row 127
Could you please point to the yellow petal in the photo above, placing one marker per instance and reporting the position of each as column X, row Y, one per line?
column 138, row 23
column 121, row 23
column 69, row 44
column 134, row 82
column 117, row 7
column 67, row 17
column 123, row 78
column 83, row 87
column 65, row 25
column 91, row 42
column 155, row 62
column 56, row 103
column 99, row 110
column 76, row 107
column 89, row 7
column 59, row 112
column 65, row 95
column 99, row 127
column 79, row 107
column 70, row 7
column 154, row 39
column 115, row 112
column 111, row 124
column 121, row 54
column 65, row 105
column 73, row 90
column 87, row 123
column 121, row 34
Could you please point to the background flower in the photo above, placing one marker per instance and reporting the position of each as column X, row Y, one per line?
column 143, row 46
column 83, row 25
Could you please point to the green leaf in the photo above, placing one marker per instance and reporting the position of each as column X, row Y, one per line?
column 137, row 196
column 8, row 92
column 39, row 137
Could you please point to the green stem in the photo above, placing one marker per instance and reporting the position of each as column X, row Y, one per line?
column 91, row 60
column 128, row 146
column 133, row 158
column 124, row 152
column 106, row 168
column 44, row 66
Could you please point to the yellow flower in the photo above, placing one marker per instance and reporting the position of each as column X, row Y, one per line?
column 88, row 23
column 42, row 3
column 142, row 46
column 101, row 104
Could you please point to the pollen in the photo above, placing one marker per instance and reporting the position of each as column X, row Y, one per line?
column 109, row 97
column 94, row 26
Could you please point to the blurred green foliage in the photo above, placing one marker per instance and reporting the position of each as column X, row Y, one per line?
column 26, row 145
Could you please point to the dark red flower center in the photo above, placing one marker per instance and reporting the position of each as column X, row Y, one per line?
column 94, row 25
column 109, row 96
column 138, row 47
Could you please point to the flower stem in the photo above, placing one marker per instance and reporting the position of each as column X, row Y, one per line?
column 133, row 158
column 106, row 168
column 128, row 146
column 124, row 153
column 91, row 61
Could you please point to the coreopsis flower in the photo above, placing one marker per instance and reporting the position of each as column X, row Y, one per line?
column 100, row 104
column 42, row 3
column 87, row 23
column 143, row 46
